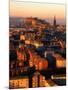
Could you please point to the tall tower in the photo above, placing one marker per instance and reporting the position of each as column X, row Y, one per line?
column 54, row 23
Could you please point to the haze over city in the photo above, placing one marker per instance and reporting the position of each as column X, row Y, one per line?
column 44, row 11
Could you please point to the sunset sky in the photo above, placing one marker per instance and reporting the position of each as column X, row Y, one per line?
column 45, row 11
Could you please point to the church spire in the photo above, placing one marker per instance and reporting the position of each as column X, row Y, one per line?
column 54, row 23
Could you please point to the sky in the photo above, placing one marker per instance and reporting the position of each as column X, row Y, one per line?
column 44, row 11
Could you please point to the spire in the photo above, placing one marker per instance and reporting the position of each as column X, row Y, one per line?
column 54, row 23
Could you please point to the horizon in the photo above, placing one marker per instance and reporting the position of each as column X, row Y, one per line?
column 59, row 22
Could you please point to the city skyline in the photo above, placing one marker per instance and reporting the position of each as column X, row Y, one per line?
column 44, row 11
column 37, row 45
